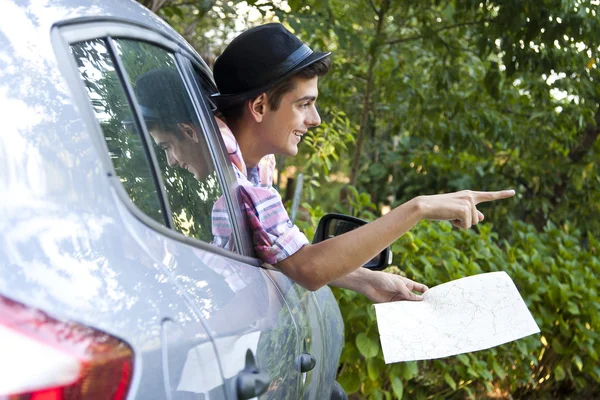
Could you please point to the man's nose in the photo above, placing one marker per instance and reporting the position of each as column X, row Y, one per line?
column 313, row 119
column 171, row 160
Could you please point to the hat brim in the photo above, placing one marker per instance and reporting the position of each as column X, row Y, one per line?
column 224, row 101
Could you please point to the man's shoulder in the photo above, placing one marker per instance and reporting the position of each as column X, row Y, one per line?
column 233, row 148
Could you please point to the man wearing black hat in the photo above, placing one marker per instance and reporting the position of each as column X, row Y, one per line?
column 268, row 80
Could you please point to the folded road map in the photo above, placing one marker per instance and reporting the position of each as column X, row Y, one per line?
column 464, row 315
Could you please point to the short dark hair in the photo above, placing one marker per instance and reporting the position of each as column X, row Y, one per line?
column 318, row 68
column 171, row 128
column 163, row 100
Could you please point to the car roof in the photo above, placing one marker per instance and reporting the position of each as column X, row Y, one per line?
column 42, row 123
column 27, row 26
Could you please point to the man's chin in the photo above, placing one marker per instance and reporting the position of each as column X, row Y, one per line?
column 291, row 151
column 200, row 176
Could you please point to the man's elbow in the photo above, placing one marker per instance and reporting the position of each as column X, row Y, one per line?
column 304, row 276
column 309, row 279
column 311, row 284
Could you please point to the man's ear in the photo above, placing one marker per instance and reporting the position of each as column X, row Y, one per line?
column 188, row 130
column 258, row 107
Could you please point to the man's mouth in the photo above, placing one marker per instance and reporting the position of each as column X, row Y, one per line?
column 299, row 134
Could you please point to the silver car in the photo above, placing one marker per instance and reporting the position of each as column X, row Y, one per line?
column 110, row 286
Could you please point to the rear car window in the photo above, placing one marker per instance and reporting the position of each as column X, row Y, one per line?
column 176, row 138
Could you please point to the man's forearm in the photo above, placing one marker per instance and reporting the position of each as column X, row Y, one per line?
column 314, row 266
column 355, row 280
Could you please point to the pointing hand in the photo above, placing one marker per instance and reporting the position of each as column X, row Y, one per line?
column 460, row 207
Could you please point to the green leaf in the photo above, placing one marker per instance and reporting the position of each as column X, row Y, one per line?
column 558, row 347
column 350, row 382
column 450, row 381
column 409, row 370
column 397, row 387
column 499, row 370
column 358, row 312
column 367, row 346
column 448, row 12
column 573, row 308
column 578, row 362
column 463, row 358
column 374, row 369
column 559, row 373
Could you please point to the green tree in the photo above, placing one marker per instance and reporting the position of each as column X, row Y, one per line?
column 451, row 99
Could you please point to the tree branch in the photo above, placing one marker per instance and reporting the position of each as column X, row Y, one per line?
column 193, row 3
column 402, row 21
column 157, row 5
column 590, row 135
column 444, row 28
column 374, row 7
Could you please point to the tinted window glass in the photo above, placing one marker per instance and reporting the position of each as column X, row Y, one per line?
column 188, row 171
column 113, row 112
column 176, row 137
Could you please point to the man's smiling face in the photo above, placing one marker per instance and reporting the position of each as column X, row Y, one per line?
column 282, row 129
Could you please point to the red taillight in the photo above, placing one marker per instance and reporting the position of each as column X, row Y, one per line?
column 42, row 358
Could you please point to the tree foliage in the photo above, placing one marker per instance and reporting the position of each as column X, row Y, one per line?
column 445, row 89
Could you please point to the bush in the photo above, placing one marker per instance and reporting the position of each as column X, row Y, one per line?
column 558, row 279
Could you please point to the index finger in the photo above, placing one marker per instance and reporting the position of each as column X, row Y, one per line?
column 481, row 197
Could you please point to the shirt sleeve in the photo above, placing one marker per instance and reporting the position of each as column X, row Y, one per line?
column 221, row 227
column 275, row 237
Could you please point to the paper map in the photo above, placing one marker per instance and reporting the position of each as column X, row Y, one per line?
column 464, row 315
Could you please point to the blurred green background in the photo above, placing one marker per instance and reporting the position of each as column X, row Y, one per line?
column 436, row 96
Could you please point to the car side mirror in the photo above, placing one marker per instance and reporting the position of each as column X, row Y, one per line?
column 332, row 225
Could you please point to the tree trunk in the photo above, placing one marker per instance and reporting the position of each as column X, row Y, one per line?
column 364, row 116
column 590, row 134
column 588, row 138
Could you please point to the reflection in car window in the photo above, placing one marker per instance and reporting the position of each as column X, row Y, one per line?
column 188, row 172
column 180, row 145
column 111, row 108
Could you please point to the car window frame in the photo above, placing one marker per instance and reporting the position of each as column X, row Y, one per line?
column 69, row 32
column 219, row 152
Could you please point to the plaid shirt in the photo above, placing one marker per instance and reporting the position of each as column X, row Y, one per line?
column 274, row 236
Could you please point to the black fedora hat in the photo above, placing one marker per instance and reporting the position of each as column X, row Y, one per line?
column 258, row 59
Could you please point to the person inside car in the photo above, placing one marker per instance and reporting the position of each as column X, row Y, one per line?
column 268, row 88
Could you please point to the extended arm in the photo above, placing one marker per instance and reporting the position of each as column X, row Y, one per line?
column 316, row 265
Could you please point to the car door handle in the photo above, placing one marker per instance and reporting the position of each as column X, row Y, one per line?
column 250, row 382
column 306, row 362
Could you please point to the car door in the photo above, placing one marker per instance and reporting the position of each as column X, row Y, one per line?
column 242, row 311
column 186, row 346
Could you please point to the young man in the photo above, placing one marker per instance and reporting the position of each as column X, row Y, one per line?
column 268, row 83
